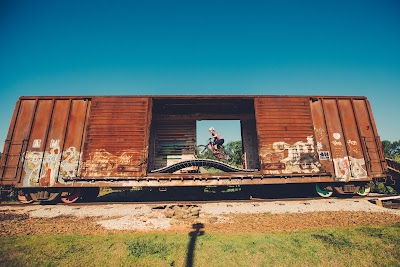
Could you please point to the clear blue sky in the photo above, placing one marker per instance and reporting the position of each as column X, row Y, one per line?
column 202, row 47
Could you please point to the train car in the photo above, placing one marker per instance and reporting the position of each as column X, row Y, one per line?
column 70, row 146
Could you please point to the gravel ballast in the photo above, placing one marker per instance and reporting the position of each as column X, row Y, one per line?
column 276, row 215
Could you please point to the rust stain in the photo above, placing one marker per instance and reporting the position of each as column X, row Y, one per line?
column 102, row 164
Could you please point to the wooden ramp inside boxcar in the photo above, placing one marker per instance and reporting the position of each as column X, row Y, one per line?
column 201, row 163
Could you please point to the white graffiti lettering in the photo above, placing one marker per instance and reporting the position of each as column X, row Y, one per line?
column 336, row 143
column 54, row 143
column 299, row 157
column 352, row 142
column 37, row 143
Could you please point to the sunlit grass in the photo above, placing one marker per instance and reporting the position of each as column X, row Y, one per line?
column 359, row 246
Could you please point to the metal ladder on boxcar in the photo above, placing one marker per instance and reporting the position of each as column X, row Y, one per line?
column 11, row 164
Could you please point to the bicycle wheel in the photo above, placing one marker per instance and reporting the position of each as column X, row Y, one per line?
column 202, row 150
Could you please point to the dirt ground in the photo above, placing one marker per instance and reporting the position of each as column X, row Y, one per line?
column 225, row 218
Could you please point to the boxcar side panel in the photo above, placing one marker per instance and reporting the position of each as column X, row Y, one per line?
column 338, row 143
column 375, row 160
column 321, row 135
column 351, row 135
column 16, row 142
column 346, row 137
column 48, row 157
column 285, row 136
column 36, row 164
column 117, row 138
column 42, row 127
column 73, row 135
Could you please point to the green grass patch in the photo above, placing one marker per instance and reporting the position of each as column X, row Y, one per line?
column 358, row 246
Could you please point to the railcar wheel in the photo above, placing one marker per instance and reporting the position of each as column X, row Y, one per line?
column 324, row 191
column 71, row 196
column 364, row 191
column 25, row 199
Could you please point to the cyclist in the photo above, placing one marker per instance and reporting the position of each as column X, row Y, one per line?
column 218, row 139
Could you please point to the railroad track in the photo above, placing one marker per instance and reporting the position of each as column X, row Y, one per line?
column 392, row 205
column 391, row 202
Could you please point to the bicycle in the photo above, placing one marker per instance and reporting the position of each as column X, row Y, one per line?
column 210, row 149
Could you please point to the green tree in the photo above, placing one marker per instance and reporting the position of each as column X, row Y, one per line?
column 391, row 149
column 234, row 150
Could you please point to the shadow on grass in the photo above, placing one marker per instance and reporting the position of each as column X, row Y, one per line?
column 192, row 243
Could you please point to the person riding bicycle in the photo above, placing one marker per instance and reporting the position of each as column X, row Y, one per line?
column 218, row 139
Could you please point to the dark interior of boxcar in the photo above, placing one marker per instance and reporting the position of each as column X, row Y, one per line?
column 173, row 129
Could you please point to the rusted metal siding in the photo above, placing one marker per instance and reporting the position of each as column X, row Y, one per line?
column 175, row 141
column 117, row 138
column 323, row 141
column 41, row 149
column 375, row 159
column 346, row 138
column 54, row 145
column 16, row 141
column 69, row 141
column 249, row 144
column 285, row 135
column 74, row 137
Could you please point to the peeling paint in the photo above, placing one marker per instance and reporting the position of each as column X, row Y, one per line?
column 42, row 170
column 32, row 163
column 299, row 157
column 69, row 163
column 102, row 164
column 348, row 167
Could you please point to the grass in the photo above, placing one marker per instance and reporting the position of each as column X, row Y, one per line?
column 358, row 246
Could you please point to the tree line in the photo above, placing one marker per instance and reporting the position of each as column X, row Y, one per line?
column 391, row 149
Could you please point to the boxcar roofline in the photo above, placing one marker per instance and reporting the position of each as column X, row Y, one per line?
column 192, row 96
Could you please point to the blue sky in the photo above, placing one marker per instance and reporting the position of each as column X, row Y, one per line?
column 202, row 47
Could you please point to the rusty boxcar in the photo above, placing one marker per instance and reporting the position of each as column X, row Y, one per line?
column 71, row 146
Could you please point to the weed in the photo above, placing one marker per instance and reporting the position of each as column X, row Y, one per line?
column 334, row 240
column 141, row 247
